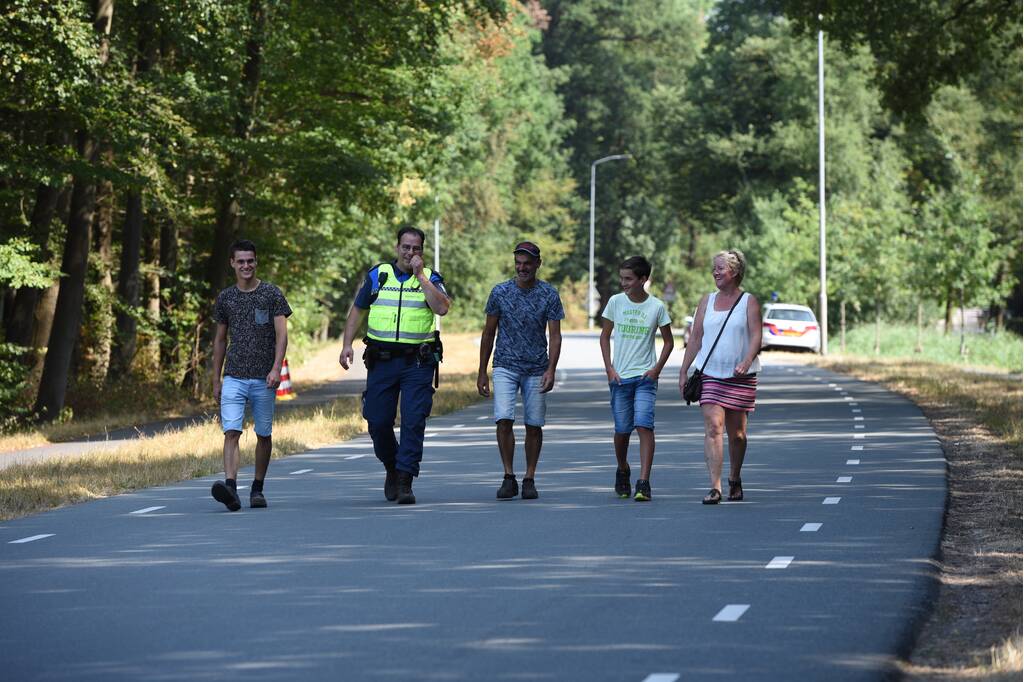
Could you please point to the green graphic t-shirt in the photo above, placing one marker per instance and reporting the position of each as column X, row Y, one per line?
column 636, row 325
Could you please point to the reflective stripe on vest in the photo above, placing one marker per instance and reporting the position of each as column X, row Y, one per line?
column 400, row 313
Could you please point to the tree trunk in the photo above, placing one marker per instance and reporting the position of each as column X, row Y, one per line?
column 98, row 332
column 949, row 311
column 68, row 313
column 229, row 210
column 170, row 294
column 128, row 285
column 878, row 324
column 963, row 327
column 150, row 351
column 20, row 326
column 920, row 324
column 74, row 263
column 842, row 326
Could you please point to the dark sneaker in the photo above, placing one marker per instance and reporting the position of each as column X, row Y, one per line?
column 622, row 488
column 529, row 489
column 643, row 491
column 391, row 484
column 224, row 494
column 509, row 488
column 404, row 485
column 257, row 500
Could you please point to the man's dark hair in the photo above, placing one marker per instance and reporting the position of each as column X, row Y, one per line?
column 241, row 245
column 406, row 229
column 640, row 266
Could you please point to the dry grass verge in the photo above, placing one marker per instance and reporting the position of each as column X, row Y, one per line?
column 974, row 630
column 189, row 453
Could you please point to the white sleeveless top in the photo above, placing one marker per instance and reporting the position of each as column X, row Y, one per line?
column 732, row 347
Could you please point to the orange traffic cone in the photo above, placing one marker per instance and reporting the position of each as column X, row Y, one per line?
column 284, row 390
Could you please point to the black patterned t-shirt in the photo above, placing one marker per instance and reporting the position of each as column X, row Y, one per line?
column 522, row 325
column 249, row 316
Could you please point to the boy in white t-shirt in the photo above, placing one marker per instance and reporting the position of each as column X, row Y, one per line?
column 635, row 317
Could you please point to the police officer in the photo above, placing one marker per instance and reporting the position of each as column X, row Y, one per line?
column 402, row 352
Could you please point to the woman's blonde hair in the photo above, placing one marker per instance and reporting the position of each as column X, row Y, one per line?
column 735, row 261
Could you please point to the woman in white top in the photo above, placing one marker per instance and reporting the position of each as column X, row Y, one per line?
column 730, row 374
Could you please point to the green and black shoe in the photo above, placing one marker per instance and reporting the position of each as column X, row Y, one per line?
column 643, row 491
column 622, row 488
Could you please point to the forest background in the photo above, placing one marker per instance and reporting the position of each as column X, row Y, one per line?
column 139, row 138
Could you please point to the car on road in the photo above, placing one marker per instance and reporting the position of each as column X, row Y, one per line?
column 785, row 325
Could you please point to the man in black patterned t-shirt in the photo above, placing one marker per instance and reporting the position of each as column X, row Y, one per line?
column 253, row 315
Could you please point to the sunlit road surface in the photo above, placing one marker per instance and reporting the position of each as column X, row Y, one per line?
column 820, row 574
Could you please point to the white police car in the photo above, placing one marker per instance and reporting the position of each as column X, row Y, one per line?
column 784, row 325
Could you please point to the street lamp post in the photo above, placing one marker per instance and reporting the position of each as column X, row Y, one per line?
column 823, row 297
column 593, row 195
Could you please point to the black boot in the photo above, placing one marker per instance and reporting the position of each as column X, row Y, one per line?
column 391, row 484
column 405, row 495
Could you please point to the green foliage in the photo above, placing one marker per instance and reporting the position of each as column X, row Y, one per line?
column 18, row 267
column 1000, row 350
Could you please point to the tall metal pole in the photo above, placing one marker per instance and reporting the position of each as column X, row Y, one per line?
column 593, row 195
column 590, row 281
column 437, row 261
column 823, row 297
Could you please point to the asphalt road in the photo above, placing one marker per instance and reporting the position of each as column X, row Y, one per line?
column 820, row 574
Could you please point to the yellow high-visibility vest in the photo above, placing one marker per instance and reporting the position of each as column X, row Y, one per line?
column 400, row 314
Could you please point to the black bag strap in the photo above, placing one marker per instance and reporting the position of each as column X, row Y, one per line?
column 720, row 330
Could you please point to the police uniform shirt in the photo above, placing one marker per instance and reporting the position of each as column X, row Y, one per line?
column 371, row 284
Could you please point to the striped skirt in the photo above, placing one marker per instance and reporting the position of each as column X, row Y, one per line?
column 734, row 393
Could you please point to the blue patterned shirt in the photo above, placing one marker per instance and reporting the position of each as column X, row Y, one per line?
column 523, row 315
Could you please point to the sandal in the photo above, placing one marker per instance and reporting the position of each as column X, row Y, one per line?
column 735, row 490
column 713, row 497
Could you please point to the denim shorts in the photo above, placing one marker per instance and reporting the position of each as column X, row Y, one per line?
column 633, row 403
column 506, row 384
column 234, row 393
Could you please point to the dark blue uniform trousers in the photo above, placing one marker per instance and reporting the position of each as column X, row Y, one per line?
column 385, row 384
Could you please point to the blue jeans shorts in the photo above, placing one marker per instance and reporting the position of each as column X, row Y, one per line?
column 633, row 403
column 234, row 393
column 506, row 384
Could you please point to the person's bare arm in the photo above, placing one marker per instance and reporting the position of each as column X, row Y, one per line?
column 554, row 350
column 437, row 301
column 352, row 324
column 693, row 347
column 280, row 348
column 220, row 345
column 486, row 346
column 607, row 326
column 753, row 337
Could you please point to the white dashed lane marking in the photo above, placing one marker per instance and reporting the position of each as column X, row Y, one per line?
column 458, row 426
column 301, row 471
column 31, row 538
column 810, row 528
column 731, row 613
column 780, row 562
column 662, row 677
column 852, row 462
column 146, row 510
column 856, row 447
column 831, row 500
column 858, row 419
column 858, row 435
column 484, row 416
column 844, row 479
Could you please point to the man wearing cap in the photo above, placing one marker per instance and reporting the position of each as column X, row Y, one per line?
column 519, row 311
column 401, row 356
